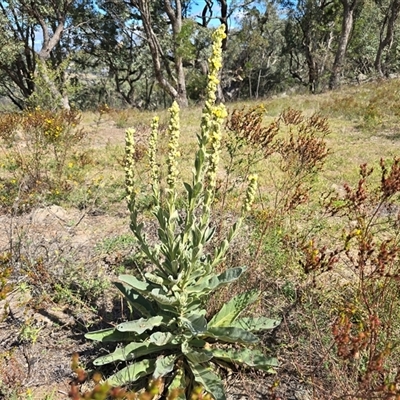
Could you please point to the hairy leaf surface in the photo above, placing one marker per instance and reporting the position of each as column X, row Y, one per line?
column 230, row 311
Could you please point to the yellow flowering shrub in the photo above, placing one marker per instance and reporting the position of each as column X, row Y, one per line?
column 37, row 146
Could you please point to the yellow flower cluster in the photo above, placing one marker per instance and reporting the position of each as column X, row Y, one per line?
column 52, row 130
column 152, row 152
column 215, row 64
column 129, row 165
column 250, row 193
column 213, row 115
column 173, row 152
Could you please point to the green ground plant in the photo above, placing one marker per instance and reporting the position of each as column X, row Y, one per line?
column 170, row 337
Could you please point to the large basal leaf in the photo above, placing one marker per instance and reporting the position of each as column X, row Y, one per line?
column 230, row 275
column 111, row 335
column 211, row 382
column 136, row 300
column 133, row 351
column 196, row 323
column 132, row 373
column 232, row 335
column 140, row 286
column 120, row 354
column 256, row 324
column 141, row 325
column 230, row 311
column 247, row 357
column 164, row 365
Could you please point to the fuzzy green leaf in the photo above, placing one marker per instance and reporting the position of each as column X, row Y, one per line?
column 195, row 342
column 140, row 286
column 120, row 354
column 232, row 335
column 189, row 190
column 197, row 188
column 230, row 311
column 162, row 298
column 132, row 351
column 132, row 373
column 164, row 365
column 210, row 283
column 247, row 357
column 211, row 382
column 136, row 300
column 209, row 233
column 256, row 324
column 196, row 323
column 150, row 348
column 197, row 356
column 195, row 306
column 199, row 160
column 161, row 338
column 141, row 325
column 111, row 335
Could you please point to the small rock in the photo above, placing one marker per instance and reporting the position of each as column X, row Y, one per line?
column 302, row 395
column 16, row 305
column 40, row 215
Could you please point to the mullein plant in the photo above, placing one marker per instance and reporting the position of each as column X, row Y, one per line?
column 171, row 338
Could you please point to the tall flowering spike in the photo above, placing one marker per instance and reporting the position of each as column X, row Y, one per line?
column 153, row 151
column 129, row 165
column 214, row 150
column 250, row 194
column 213, row 116
column 215, row 64
column 173, row 152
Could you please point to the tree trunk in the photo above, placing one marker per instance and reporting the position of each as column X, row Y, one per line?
column 177, row 88
column 389, row 24
column 313, row 74
column 347, row 27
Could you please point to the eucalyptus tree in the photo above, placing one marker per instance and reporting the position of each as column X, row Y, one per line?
column 310, row 29
column 390, row 10
column 348, row 15
column 364, row 42
column 170, row 77
column 253, row 56
column 111, row 48
column 36, row 30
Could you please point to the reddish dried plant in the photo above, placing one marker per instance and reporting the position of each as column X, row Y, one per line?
column 366, row 328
